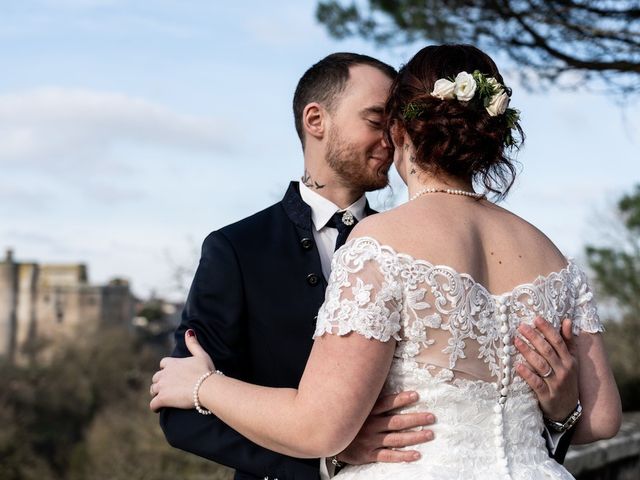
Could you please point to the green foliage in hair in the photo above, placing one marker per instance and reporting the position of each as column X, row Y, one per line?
column 412, row 111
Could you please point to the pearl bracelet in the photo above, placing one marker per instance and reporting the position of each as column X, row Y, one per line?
column 196, row 402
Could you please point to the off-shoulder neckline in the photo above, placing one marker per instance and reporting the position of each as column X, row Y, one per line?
column 413, row 260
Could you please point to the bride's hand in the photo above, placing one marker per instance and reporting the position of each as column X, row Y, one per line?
column 172, row 385
column 551, row 367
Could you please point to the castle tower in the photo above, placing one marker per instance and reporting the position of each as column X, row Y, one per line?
column 8, row 305
column 54, row 302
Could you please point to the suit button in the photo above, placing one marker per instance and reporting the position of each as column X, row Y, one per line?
column 312, row 279
column 306, row 243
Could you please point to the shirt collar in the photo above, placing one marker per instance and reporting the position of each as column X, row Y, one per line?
column 322, row 209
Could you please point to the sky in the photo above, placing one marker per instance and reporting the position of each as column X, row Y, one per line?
column 129, row 130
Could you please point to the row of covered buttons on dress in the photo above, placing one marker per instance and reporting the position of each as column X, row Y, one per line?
column 507, row 352
column 506, row 355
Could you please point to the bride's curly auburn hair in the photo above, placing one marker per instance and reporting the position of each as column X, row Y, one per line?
column 458, row 138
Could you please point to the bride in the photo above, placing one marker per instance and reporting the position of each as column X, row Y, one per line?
column 432, row 296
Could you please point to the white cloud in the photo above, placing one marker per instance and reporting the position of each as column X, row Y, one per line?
column 51, row 128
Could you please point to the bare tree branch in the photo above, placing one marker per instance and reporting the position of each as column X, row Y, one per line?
column 599, row 40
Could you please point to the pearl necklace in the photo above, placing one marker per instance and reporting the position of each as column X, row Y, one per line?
column 450, row 191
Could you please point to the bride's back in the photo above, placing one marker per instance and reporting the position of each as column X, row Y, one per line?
column 462, row 258
column 451, row 279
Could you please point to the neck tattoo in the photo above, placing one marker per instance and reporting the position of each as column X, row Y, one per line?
column 310, row 182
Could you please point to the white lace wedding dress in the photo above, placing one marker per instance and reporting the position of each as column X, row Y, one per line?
column 455, row 348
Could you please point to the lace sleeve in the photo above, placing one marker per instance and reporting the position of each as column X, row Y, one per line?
column 585, row 313
column 364, row 293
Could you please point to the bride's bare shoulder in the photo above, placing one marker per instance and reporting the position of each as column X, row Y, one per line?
column 381, row 225
column 441, row 232
column 377, row 223
column 521, row 236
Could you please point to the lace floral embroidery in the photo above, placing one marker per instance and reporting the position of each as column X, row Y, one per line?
column 381, row 294
column 364, row 294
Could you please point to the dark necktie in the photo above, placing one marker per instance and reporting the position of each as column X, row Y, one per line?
column 344, row 223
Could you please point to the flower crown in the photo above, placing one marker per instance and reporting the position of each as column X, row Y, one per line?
column 493, row 95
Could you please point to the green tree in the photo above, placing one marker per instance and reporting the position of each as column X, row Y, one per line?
column 617, row 271
column 83, row 414
column 594, row 41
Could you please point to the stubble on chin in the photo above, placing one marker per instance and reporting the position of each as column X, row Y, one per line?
column 353, row 170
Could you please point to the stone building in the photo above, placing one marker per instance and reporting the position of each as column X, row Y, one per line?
column 41, row 301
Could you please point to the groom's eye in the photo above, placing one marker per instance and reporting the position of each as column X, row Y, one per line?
column 374, row 123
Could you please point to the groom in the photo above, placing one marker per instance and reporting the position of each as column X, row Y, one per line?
column 260, row 282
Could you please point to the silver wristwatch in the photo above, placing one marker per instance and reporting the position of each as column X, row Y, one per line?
column 569, row 422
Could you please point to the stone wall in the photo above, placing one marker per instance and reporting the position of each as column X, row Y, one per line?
column 615, row 459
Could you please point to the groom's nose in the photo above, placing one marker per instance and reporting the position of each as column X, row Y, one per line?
column 384, row 142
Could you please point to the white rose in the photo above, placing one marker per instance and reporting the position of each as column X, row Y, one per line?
column 498, row 104
column 465, row 87
column 443, row 89
column 497, row 87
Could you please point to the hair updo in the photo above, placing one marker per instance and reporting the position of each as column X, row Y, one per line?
column 458, row 138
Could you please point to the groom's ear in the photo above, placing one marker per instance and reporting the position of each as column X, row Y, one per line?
column 314, row 120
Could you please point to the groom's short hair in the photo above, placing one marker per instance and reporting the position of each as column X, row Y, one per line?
column 325, row 81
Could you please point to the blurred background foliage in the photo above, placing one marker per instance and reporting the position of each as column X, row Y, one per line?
column 84, row 415
column 616, row 271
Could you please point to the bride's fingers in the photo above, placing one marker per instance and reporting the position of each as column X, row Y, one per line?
column 537, row 363
column 567, row 335
column 195, row 348
column 154, row 404
column 553, row 337
column 395, row 456
column 536, row 383
column 156, row 376
column 543, row 348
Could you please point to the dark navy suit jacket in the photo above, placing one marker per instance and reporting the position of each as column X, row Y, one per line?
column 253, row 304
